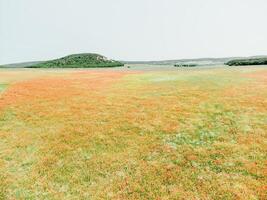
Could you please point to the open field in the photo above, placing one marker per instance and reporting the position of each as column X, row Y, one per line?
column 137, row 133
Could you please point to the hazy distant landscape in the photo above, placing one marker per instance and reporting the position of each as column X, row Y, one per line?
column 91, row 61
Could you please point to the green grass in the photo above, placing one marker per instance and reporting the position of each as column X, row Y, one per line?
column 2, row 87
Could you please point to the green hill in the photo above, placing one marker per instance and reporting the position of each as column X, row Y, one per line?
column 249, row 61
column 86, row 60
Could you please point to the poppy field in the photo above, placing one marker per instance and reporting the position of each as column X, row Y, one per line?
column 133, row 134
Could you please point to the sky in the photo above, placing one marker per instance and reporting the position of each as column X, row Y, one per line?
column 33, row 30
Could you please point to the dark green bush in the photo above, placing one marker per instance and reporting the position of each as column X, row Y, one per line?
column 251, row 61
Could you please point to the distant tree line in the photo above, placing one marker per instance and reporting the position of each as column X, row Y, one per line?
column 250, row 61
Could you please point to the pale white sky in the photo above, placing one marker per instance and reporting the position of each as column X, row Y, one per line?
column 132, row 29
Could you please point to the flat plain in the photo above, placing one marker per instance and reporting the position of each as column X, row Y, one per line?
column 134, row 133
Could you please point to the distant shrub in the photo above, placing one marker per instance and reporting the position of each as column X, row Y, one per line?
column 185, row 65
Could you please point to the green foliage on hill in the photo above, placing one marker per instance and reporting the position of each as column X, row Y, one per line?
column 86, row 60
column 250, row 61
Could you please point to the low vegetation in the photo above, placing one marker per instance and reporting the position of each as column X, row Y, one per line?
column 251, row 61
column 98, row 134
column 185, row 65
column 79, row 61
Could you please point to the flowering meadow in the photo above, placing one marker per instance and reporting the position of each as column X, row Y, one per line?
column 133, row 134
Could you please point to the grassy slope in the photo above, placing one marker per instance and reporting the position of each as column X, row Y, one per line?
column 79, row 61
column 156, row 135
column 20, row 65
